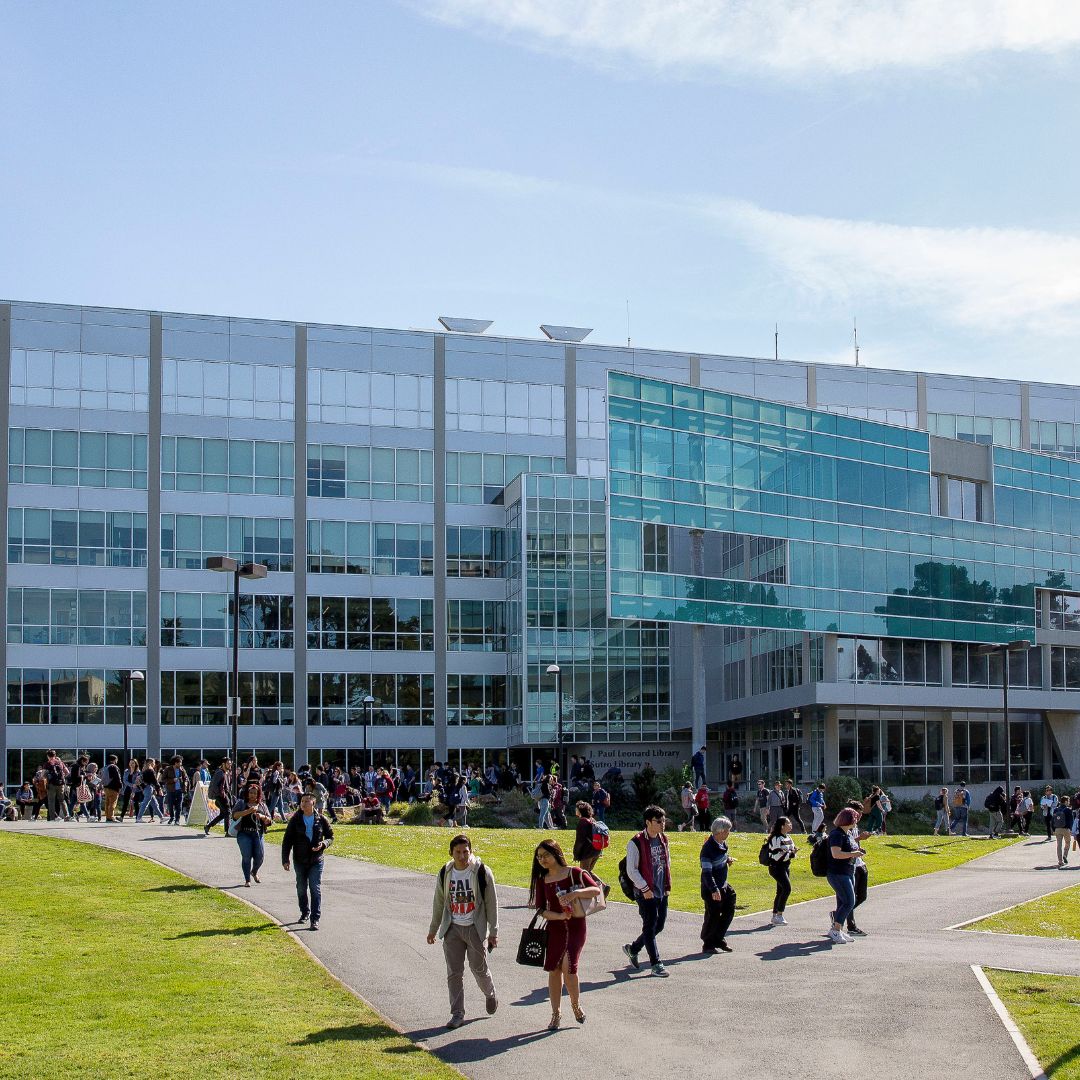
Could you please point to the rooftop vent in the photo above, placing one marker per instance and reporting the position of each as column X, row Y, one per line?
column 465, row 326
column 566, row 333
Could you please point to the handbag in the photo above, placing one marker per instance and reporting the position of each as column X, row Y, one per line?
column 585, row 908
column 234, row 826
column 532, row 948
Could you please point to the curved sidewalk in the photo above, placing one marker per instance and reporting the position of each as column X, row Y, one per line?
column 916, row 1008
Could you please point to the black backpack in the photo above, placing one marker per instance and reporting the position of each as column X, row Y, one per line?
column 819, row 857
column 625, row 883
column 481, row 877
column 990, row 802
column 1063, row 817
column 763, row 855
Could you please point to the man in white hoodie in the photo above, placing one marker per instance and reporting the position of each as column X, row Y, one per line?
column 464, row 912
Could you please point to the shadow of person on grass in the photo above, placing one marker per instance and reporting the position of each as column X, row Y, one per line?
column 225, row 931
column 356, row 1033
column 177, row 888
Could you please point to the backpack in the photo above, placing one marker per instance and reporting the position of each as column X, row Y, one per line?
column 763, row 855
column 990, row 802
column 730, row 799
column 819, row 857
column 885, row 803
column 481, row 877
column 56, row 773
column 600, row 836
column 1063, row 817
column 625, row 883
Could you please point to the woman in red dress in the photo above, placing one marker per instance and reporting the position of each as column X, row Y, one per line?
column 559, row 892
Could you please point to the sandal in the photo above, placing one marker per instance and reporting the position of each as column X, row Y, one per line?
column 579, row 1016
column 556, row 1019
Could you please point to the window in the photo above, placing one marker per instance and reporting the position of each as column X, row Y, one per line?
column 188, row 540
column 69, row 696
column 76, row 617
column 200, row 697
column 369, row 472
column 336, row 699
column 976, row 429
column 79, row 380
column 979, row 747
column 204, row 620
column 476, row 625
column 1055, row 437
column 365, row 547
column 238, row 466
column 591, row 413
column 963, row 498
column 1064, row 611
column 480, row 478
column 1064, row 667
column 885, row 660
column 376, row 398
column 376, row 623
column 504, row 408
column 970, row 667
column 475, row 551
column 476, row 700
column 83, row 458
column 892, row 747
column 76, row 537
column 214, row 388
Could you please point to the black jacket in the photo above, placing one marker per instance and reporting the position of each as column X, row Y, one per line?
column 295, row 840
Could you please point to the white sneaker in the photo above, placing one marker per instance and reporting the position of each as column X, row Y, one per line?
column 779, row 920
column 838, row 937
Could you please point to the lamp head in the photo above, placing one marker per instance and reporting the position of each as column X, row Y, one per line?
column 553, row 669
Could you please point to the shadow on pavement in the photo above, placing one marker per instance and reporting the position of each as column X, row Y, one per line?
column 225, row 931
column 795, row 948
column 480, row 1049
column 173, row 836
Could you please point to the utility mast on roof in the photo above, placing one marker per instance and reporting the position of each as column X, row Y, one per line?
column 855, row 336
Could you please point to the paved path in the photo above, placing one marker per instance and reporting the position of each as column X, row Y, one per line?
column 904, row 1000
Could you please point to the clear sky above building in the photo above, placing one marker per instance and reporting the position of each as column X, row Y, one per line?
column 721, row 166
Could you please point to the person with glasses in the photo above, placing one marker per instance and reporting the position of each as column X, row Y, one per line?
column 648, row 866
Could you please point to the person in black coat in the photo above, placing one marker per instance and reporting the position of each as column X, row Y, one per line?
column 307, row 836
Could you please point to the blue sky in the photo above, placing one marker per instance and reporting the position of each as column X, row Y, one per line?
column 721, row 165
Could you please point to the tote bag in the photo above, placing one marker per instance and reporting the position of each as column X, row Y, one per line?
column 532, row 948
column 581, row 880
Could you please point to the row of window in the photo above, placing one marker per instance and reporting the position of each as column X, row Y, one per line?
column 75, row 617
column 237, row 466
column 220, row 388
column 204, row 620
column 377, row 398
column 504, row 408
column 188, row 540
column 76, row 537
column 361, row 472
column 336, row 699
column 889, row 660
column 375, row 623
column 77, row 458
column 367, row 547
column 72, row 696
column 480, row 478
column 201, row 697
column 72, row 380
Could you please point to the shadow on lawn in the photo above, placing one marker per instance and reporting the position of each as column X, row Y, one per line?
column 1062, row 1060
column 224, row 931
column 356, row 1033
column 176, row 888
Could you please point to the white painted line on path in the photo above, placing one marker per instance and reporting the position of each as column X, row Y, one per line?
column 1030, row 1060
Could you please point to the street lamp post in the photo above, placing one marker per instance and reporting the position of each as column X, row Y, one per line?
column 1003, row 650
column 252, row 571
column 369, row 706
column 554, row 669
column 127, row 680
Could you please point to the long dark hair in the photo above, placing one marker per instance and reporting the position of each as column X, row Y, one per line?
column 556, row 852
column 777, row 829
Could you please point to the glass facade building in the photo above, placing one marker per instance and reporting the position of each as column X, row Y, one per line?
column 792, row 563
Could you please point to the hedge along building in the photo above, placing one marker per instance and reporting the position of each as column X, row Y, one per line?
column 434, row 511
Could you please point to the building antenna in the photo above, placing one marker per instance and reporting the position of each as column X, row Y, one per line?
column 855, row 336
column 776, row 341
column 628, row 324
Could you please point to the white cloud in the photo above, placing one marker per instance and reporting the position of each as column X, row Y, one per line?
column 786, row 37
column 997, row 280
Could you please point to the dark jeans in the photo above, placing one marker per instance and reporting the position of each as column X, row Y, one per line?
column 844, row 887
column 223, row 815
column 782, row 876
column 251, row 852
column 718, row 916
column 309, row 881
column 653, row 916
column 175, row 805
column 129, row 796
column 862, row 877
column 1049, row 820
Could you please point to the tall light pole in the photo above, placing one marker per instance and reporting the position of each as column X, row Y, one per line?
column 554, row 669
column 369, row 707
column 1004, row 649
column 126, row 681
column 252, row 571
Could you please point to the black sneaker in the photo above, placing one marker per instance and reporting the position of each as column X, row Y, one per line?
column 632, row 957
column 724, row 946
column 314, row 924
column 709, row 950
column 853, row 929
column 303, row 917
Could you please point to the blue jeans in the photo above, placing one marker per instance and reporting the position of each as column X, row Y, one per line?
column 150, row 805
column 309, row 880
column 653, row 916
column 175, row 802
column 844, row 887
column 278, row 803
column 545, row 815
column 960, row 820
column 251, row 852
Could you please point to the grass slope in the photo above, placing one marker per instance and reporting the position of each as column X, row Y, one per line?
column 1044, row 1008
column 1057, row 915
column 114, row 964
column 509, row 853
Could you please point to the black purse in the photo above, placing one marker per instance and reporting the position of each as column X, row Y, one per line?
column 532, row 948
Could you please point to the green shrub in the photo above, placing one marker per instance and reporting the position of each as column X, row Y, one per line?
column 398, row 809
column 646, row 787
column 517, row 808
column 840, row 790
column 418, row 813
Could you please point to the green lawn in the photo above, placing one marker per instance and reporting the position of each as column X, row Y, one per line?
column 112, row 963
column 1057, row 915
column 1044, row 1008
column 509, row 853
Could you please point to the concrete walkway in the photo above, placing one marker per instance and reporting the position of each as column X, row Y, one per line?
column 901, row 1003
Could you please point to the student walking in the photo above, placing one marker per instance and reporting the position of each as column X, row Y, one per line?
column 816, row 802
column 559, row 892
column 1026, row 811
column 648, row 866
column 586, row 852
column 961, row 805
column 841, row 876
column 57, row 774
column 997, row 803
column 1048, row 804
column 941, row 806
column 794, row 798
column 686, row 798
column 113, row 784
column 220, row 791
column 781, row 851
column 729, row 798
column 150, row 802
column 1063, row 830
column 718, row 895
column 252, row 818
column 543, row 804
column 274, row 789
column 465, row 911
column 600, row 799
column 129, row 795
column 307, row 836
column 701, row 801
column 176, row 786
column 861, row 874
column 777, row 804
column 697, row 763
column 761, row 803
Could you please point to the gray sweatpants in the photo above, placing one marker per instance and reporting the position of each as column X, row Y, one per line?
column 462, row 941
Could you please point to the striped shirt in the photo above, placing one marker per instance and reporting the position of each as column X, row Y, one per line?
column 714, row 865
